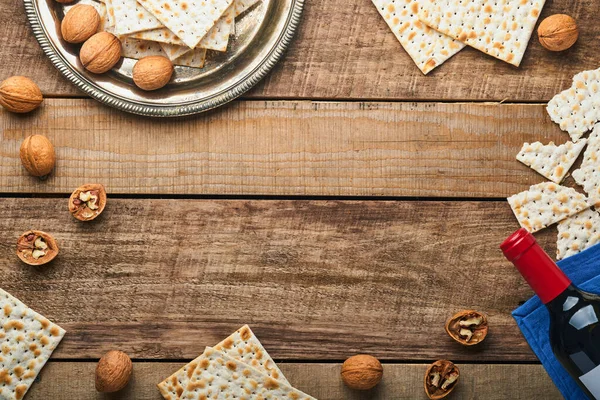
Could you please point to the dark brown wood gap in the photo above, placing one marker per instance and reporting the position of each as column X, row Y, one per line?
column 255, row 197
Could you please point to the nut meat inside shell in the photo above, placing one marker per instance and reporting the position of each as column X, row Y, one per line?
column 440, row 379
column 36, row 248
column 467, row 327
column 87, row 202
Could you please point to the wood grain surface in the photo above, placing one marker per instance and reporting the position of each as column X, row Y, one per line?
column 70, row 380
column 348, row 52
column 316, row 280
column 284, row 148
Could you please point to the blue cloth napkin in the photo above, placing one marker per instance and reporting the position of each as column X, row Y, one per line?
column 533, row 319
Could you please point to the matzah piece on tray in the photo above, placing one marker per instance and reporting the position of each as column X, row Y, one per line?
column 27, row 341
column 242, row 345
column 577, row 233
column 588, row 175
column 217, row 37
column 137, row 49
column 190, row 20
column 195, row 58
column 174, row 51
column 242, row 5
column 545, row 204
column 129, row 16
column 427, row 47
column 577, row 109
column 219, row 376
column 551, row 161
column 500, row 28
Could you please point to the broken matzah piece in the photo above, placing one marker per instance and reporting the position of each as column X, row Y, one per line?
column 242, row 345
column 128, row 17
column 242, row 5
column 588, row 175
column 220, row 376
column 545, row 204
column 577, row 233
column 27, row 341
column 427, row 47
column 551, row 161
column 217, row 37
column 577, row 109
column 190, row 20
column 137, row 49
column 174, row 51
column 500, row 28
column 194, row 58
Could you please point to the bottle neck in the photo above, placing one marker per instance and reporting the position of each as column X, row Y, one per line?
column 539, row 270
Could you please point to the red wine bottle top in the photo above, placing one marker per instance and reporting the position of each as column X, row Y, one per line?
column 540, row 271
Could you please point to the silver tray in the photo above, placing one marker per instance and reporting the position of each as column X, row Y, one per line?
column 262, row 35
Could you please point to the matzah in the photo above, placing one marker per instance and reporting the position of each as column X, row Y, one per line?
column 242, row 5
column 427, row 47
column 195, row 59
column 216, row 39
column 551, row 161
column 577, row 233
column 500, row 28
column 577, row 109
column 190, row 20
column 545, row 204
column 174, row 51
column 27, row 341
column 128, row 17
column 588, row 175
column 218, row 376
column 137, row 49
column 242, row 345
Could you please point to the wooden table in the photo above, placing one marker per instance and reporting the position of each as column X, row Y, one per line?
column 346, row 205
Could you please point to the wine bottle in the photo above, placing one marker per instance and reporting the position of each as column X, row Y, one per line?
column 574, row 314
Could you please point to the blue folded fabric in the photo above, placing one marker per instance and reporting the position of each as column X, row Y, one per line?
column 534, row 321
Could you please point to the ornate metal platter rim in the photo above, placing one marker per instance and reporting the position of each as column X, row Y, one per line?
column 171, row 110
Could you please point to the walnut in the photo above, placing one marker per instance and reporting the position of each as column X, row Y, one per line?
column 36, row 248
column 113, row 372
column 20, row 94
column 467, row 327
column 152, row 73
column 440, row 379
column 100, row 53
column 87, row 202
column 362, row 372
column 37, row 155
column 80, row 23
column 558, row 32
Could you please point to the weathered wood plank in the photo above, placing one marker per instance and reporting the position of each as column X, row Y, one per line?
column 315, row 279
column 285, row 148
column 68, row 380
column 349, row 52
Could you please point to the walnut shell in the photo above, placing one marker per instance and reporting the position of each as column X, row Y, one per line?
column 80, row 23
column 441, row 378
column 20, row 94
column 468, row 327
column 89, row 209
column 113, row 372
column 65, row 1
column 558, row 32
column 362, row 372
column 153, row 72
column 36, row 248
column 37, row 155
column 100, row 53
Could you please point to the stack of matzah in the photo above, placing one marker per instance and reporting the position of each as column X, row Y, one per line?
column 432, row 31
column 27, row 341
column 576, row 111
column 237, row 368
column 182, row 30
